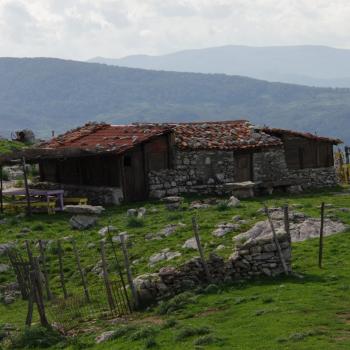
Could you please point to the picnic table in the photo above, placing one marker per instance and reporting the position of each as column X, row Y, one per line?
column 34, row 192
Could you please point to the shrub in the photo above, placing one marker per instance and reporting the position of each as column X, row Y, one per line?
column 122, row 331
column 5, row 175
column 211, row 289
column 222, row 206
column 176, row 303
column 150, row 343
column 170, row 323
column 135, row 222
column 36, row 337
column 188, row 332
column 204, row 340
column 142, row 333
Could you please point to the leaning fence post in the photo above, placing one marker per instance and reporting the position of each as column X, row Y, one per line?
column 60, row 262
column 286, row 221
column 25, row 176
column 285, row 268
column 46, row 277
column 82, row 275
column 37, row 290
column 320, row 249
column 128, row 270
column 106, row 277
column 200, row 249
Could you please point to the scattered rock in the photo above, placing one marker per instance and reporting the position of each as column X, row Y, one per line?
column 236, row 218
column 165, row 254
column 4, row 247
column 140, row 212
column 84, row 209
column 131, row 212
column 4, row 268
column 199, row 205
column 82, row 222
column 105, row 336
column 172, row 199
column 107, row 229
column 225, row 228
column 153, row 236
column 345, row 210
column 233, row 202
column 190, row 244
column 117, row 238
column 220, row 247
column 170, row 229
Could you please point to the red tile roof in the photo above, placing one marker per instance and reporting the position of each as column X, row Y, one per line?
column 280, row 132
column 104, row 137
column 223, row 135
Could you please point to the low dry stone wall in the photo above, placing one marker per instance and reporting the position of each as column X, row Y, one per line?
column 255, row 257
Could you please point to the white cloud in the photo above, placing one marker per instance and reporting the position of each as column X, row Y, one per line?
column 81, row 29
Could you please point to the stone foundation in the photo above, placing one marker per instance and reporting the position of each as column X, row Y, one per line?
column 258, row 257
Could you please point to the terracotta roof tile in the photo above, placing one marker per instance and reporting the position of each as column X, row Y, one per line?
column 226, row 135
column 118, row 138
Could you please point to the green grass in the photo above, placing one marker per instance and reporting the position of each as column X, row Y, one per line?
column 7, row 146
column 307, row 311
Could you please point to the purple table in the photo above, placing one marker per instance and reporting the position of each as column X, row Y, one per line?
column 33, row 192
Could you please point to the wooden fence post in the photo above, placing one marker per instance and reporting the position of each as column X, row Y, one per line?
column 128, row 270
column 106, row 277
column 200, row 250
column 60, row 262
column 82, row 274
column 283, row 262
column 46, row 276
column 29, row 207
column 286, row 221
column 320, row 249
column 1, row 190
column 37, row 291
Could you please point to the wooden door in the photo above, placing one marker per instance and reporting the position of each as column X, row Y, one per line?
column 135, row 188
column 243, row 167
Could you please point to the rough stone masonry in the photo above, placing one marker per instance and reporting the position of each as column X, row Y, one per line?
column 253, row 257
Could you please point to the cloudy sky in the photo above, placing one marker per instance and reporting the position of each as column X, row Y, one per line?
column 81, row 29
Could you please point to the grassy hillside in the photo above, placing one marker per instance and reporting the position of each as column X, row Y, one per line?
column 309, row 310
column 51, row 94
column 7, row 146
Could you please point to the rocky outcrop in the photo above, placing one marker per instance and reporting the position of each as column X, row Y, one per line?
column 302, row 227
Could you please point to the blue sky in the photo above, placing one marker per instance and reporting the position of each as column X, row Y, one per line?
column 81, row 29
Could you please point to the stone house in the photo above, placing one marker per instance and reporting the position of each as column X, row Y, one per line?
column 110, row 163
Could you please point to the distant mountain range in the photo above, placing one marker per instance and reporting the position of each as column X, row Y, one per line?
column 51, row 94
column 306, row 65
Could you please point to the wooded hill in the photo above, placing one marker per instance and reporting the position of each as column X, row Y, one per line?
column 51, row 94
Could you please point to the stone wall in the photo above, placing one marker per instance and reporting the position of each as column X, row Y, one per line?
column 95, row 195
column 203, row 172
column 258, row 257
column 208, row 172
column 270, row 167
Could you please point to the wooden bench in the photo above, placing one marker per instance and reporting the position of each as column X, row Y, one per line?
column 75, row 201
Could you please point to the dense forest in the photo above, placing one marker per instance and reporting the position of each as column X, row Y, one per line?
column 51, row 94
